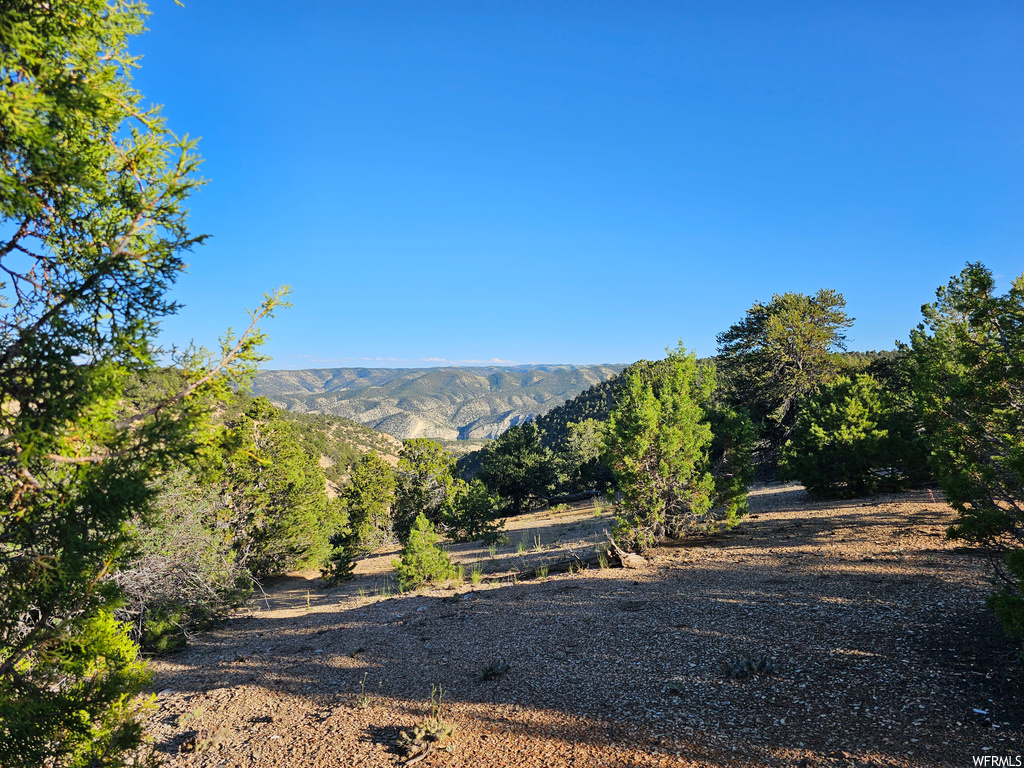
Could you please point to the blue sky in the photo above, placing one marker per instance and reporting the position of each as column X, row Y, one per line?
column 584, row 182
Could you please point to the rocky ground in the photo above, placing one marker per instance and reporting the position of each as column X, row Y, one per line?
column 833, row 634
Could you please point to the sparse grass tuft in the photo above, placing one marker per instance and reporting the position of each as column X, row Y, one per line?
column 428, row 733
column 362, row 698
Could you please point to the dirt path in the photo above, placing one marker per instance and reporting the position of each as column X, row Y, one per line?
column 881, row 649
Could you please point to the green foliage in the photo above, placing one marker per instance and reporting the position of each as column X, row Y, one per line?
column 91, row 718
column 423, row 560
column 341, row 563
column 279, row 511
column 779, row 353
column 837, row 443
column 476, row 513
column 593, row 403
column 93, row 190
column 658, row 443
column 368, row 498
column 517, row 467
column 852, row 439
column 969, row 377
column 163, row 629
column 577, row 459
column 905, row 457
column 730, row 458
column 341, row 441
column 425, row 483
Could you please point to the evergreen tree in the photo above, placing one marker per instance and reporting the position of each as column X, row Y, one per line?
column 837, row 443
column 476, row 513
column 368, row 499
column 92, row 206
column 730, row 460
column 341, row 563
column 424, row 482
column 779, row 353
column 423, row 560
column 577, row 461
column 658, row 443
column 517, row 467
column 853, row 438
column 968, row 357
column 277, row 498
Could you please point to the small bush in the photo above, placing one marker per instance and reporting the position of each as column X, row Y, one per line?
column 163, row 631
column 341, row 563
column 423, row 560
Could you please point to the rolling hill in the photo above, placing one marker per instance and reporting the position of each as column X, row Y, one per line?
column 445, row 403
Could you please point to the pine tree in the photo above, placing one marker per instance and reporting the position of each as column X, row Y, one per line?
column 852, row 438
column 837, row 443
column 476, row 513
column 517, row 467
column 969, row 377
column 277, row 502
column 778, row 354
column 424, row 482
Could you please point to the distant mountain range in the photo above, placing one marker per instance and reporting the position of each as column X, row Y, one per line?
column 445, row 403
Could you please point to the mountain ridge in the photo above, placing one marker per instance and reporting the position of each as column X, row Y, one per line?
column 452, row 402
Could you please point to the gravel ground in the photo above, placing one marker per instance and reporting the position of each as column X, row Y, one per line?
column 879, row 649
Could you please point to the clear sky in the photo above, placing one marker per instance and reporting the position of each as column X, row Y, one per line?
column 563, row 182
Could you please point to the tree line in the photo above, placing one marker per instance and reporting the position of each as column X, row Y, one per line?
column 677, row 441
column 123, row 497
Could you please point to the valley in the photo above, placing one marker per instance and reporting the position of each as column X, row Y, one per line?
column 439, row 403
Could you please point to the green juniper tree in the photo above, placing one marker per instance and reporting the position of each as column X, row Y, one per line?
column 658, row 443
column 93, row 220
column 368, row 499
column 424, row 482
column 276, row 497
column 577, row 458
column 968, row 357
column 422, row 559
column 837, row 441
column 517, row 467
column 853, row 437
column 476, row 513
